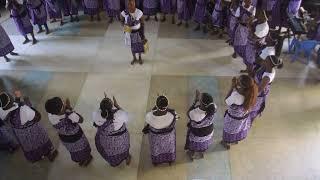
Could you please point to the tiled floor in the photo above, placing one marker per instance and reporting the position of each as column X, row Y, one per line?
column 83, row 60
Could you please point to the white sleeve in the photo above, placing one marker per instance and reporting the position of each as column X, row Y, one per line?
column 97, row 119
column 262, row 30
column 253, row 11
column 237, row 14
column 138, row 14
column 123, row 14
column 235, row 98
column 74, row 117
column 26, row 114
column 271, row 76
column 120, row 117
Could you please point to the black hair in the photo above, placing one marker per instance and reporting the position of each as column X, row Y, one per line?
column 54, row 105
column 162, row 102
column 276, row 62
column 106, row 106
column 6, row 101
column 207, row 101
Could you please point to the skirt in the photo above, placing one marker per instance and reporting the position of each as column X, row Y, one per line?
column 80, row 150
column 150, row 7
column 6, row 46
column 112, row 7
column 114, row 149
column 137, row 45
column 7, row 140
column 240, row 40
column 198, row 144
column 39, row 16
column 235, row 130
column 231, row 27
column 200, row 12
column 53, row 9
column 184, row 12
column 70, row 7
column 91, row 7
column 168, row 6
column 23, row 25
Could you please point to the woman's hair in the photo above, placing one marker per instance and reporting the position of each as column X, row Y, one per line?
column 275, row 61
column 106, row 106
column 54, row 105
column 6, row 101
column 207, row 101
column 162, row 103
column 250, row 91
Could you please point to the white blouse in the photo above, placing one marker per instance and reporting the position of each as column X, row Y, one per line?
column 55, row 119
column 26, row 113
column 235, row 98
column 271, row 75
column 159, row 122
column 120, row 117
column 262, row 30
column 267, row 51
column 197, row 114
column 136, row 15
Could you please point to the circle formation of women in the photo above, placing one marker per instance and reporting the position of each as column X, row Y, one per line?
column 247, row 25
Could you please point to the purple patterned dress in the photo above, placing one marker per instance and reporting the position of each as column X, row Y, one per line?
column 184, row 9
column 150, row 7
column 73, row 139
column 268, row 5
column 32, row 137
column 232, row 24
column 217, row 14
column 200, row 11
column 22, row 20
column 242, row 32
column 6, row 46
column 168, row 6
column 262, row 96
column 7, row 140
column 294, row 6
column 113, row 145
column 236, row 124
column 70, row 8
column 278, row 17
column 91, row 7
column 112, row 7
column 37, row 12
column 53, row 9
column 199, row 134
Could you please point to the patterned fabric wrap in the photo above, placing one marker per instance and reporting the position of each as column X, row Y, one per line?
column 217, row 14
column 32, row 137
column 37, row 12
column 113, row 145
column 71, row 7
column 7, row 139
column 235, row 129
column 112, row 7
column 163, row 144
column 22, row 21
column 135, row 37
column 53, row 9
column 294, row 6
column 241, row 33
column 232, row 24
column 79, row 150
column 200, row 11
column 184, row 9
column 150, row 7
column 6, row 46
column 91, row 7
column 168, row 6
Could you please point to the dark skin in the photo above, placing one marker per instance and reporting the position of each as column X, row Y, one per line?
column 67, row 108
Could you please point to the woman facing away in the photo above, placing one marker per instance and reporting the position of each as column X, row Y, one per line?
column 6, row 46
column 160, row 127
column 240, row 100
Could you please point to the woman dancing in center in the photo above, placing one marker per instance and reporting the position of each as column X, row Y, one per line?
column 240, row 100
column 112, row 138
column 161, row 132
column 200, row 127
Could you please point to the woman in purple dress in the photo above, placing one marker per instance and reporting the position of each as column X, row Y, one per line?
column 91, row 8
column 240, row 99
column 161, row 132
column 234, row 13
column 185, row 11
column 247, row 13
column 7, row 139
column 219, row 17
column 6, row 47
column 200, row 126
column 19, row 14
column 151, row 8
column 168, row 7
column 258, row 31
column 280, row 10
column 66, row 122
column 264, row 74
column 200, row 15
column 54, row 11
column 112, row 8
column 134, row 31
column 38, row 14
column 70, row 8
column 112, row 138
column 24, row 120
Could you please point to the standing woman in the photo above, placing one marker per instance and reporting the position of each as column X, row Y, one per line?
column 264, row 74
column 162, row 132
column 7, row 140
column 185, row 11
column 54, row 11
column 19, row 14
column 151, row 8
column 24, row 120
column 112, row 8
column 258, row 31
column 66, row 122
column 38, row 14
column 200, row 15
column 200, row 126
column 6, row 46
column 70, row 8
column 168, row 7
column 240, row 100
column 112, row 138
column 234, row 13
column 219, row 16
column 91, row 8
column 247, row 13
column 134, row 31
